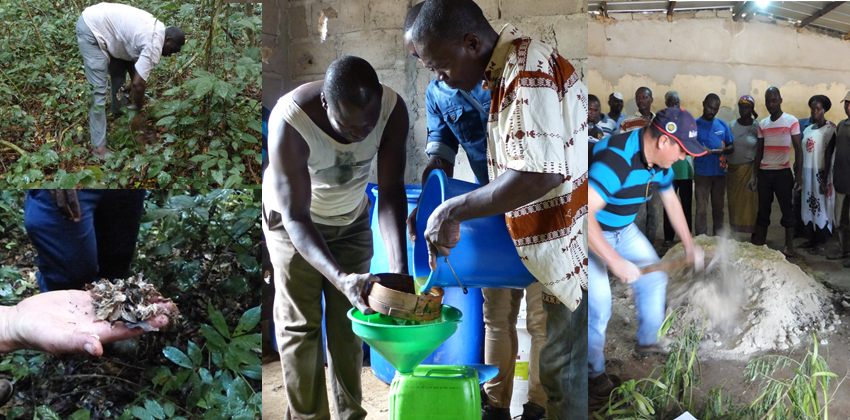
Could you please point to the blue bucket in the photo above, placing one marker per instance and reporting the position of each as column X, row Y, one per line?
column 485, row 255
column 466, row 346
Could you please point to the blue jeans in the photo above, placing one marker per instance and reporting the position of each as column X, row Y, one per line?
column 563, row 361
column 101, row 245
column 650, row 291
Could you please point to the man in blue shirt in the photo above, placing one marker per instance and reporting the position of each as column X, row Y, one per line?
column 459, row 118
column 625, row 171
column 710, row 170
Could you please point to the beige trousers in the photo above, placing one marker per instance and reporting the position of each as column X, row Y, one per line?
column 501, row 307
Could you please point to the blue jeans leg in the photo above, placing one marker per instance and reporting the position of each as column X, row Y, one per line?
column 100, row 245
column 563, row 361
column 650, row 293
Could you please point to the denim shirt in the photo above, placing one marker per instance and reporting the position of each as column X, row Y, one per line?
column 453, row 121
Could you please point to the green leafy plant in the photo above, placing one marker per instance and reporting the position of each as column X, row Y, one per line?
column 203, row 105
column 801, row 395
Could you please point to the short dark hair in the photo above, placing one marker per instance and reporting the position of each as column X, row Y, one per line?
column 352, row 80
column 654, row 131
column 824, row 101
column 448, row 21
column 711, row 96
column 411, row 16
column 592, row 98
column 648, row 91
column 176, row 34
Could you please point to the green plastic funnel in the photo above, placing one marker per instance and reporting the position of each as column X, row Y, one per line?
column 404, row 346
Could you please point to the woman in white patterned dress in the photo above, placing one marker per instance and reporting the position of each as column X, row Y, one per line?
column 818, row 195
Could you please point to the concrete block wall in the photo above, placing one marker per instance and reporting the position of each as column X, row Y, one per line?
column 706, row 52
column 309, row 35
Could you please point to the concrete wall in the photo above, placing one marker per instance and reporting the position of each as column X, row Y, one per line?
column 276, row 77
column 704, row 52
column 372, row 29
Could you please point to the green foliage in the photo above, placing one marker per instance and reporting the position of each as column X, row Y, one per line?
column 203, row 104
column 213, row 376
column 198, row 245
column 800, row 395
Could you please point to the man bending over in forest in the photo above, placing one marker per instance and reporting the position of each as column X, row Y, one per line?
column 118, row 39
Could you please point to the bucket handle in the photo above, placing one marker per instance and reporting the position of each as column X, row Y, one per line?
column 456, row 278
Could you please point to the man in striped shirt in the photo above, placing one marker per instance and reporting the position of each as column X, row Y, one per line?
column 643, row 100
column 625, row 171
column 772, row 169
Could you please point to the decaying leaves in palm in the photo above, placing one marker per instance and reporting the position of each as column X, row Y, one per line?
column 132, row 301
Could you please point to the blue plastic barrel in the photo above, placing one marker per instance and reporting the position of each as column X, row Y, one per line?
column 466, row 346
column 485, row 255
column 380, row 261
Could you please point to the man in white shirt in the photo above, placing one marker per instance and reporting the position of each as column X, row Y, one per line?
column 111, row 36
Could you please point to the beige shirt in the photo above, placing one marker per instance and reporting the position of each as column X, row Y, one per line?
column 538, row 123
column 127, row 33
column 338, row 172
column 635, row 122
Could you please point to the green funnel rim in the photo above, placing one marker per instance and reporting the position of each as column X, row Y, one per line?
column 445, row 307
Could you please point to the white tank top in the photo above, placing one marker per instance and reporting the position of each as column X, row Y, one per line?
column 338, row 172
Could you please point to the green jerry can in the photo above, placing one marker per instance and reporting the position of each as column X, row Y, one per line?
column 436, row 392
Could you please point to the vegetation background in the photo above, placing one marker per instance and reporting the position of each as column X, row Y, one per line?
column 200, row 248
column 203, row 104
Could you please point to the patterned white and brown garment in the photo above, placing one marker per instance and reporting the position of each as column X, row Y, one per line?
column 538, row 123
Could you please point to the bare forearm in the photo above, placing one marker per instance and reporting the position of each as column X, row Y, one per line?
column 308, row 241
column 507, row 192
column 392, row 213
column 597, row 243
column 7, row 342
column 437, row 163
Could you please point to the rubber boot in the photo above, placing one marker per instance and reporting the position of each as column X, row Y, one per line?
column 760, row 236
column 789, row 242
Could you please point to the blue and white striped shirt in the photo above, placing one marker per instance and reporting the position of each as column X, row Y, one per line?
column 619, row 173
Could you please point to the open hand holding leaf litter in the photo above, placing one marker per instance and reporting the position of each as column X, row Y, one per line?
column 76, row 321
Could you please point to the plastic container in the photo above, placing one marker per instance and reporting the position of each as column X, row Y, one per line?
column 433, row 391
column 380, row 263
column 466, row 347
column 523, row 358
column 404, row 346
column 485, row 255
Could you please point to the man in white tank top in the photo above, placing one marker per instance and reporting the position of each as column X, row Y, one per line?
column 323, row 138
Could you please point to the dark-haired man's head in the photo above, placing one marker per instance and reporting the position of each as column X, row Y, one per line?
column 592, row 109
column 454, row 39
column 710, row 106
column 773, row 101
column 351, row 95
column 643, row 99
column 174, row 40
column 408, row 25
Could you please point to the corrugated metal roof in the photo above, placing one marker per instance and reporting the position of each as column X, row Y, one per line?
column 836, row 20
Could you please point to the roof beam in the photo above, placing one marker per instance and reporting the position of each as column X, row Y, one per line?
column 670, row 7
column 830, row 7
column 740, row 9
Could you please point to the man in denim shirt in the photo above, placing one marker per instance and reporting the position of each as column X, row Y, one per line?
column 456, row 117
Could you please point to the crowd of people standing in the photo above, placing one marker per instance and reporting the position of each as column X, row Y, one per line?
column 748, row 163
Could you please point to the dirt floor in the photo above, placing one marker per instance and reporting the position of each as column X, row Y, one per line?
column 375, row 394
column 728, row 374
column 621, row 362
